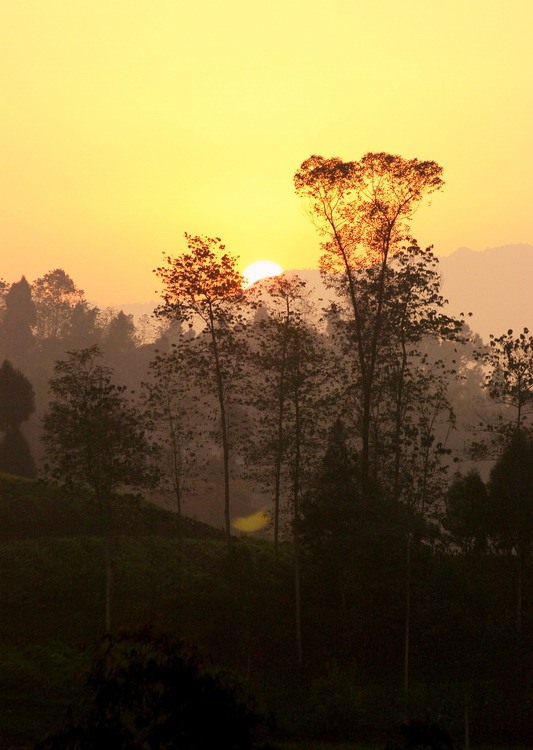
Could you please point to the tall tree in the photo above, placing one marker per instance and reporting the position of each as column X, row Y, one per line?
column 169, row 401
column 510, row 377
column 17, row 404
column 95, row 439
column 281, row 315
column 120, row 338
column 363, row 209
column 507, row 367
column 204, row 286
column 466, row 514
column 4, row 288
column 55, row 295
column 85, row 329
column 19, row 319
column 511, row 508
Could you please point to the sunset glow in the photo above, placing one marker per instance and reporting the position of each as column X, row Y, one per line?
column 261, row 269
column 126, row 124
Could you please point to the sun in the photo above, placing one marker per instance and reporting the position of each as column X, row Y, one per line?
column 255, row 522
column 261, row 269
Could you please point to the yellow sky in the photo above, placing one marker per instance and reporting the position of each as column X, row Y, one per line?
column 129, row 122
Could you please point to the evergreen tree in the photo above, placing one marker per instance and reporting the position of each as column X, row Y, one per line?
column 17, row 404
column 19, row 319
column 15, row 455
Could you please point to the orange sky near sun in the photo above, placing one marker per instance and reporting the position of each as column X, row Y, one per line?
column 126, row 124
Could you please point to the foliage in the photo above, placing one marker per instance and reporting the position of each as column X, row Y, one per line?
column 19, row 319
column 17, row 403
column 95, row 437
column 120, row 337
column 55, row 295
column 85, row 328
column 466, row 515
column 289, row 394
column 146, row 691
column 511, row 496
column 15, row 455
column 31, row 510
column 363, row 209
column 17, row 399
column 509, row 379
column 169, row 400
column 200, row 282
column 52, row 588
column 330, row 511
column 204, row 285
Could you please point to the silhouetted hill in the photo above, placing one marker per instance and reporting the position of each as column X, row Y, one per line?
column 494, row 284
column 33, row 510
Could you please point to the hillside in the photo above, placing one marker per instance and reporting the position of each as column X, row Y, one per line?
column 239, row 610
column 34, row 509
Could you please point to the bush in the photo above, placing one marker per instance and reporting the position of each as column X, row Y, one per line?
column 153, row 692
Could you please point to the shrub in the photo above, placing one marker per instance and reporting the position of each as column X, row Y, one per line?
column 154, row 692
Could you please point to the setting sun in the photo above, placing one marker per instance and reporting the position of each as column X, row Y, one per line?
column 261, row 269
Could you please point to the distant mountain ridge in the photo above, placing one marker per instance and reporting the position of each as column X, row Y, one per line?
column 495, row 284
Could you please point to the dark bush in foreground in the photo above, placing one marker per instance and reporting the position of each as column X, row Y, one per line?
column 153, row 692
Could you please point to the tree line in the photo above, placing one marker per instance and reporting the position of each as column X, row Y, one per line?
column 348, row 423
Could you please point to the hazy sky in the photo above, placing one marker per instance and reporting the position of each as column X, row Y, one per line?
column 129, row 122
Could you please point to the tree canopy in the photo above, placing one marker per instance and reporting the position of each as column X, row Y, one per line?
column 94, row 436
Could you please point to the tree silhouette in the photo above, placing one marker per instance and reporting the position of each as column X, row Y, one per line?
column 95, row 439
column 466, row 514
column 168, row 396
column 281, row 316
column 363, row 210
column 17, row 404
column 19, row 319
column 55, row 295
column 85, row 330
column 511, row 507
column 120, row 337
column 154, row 692
column 204, row 285
column 510, row 377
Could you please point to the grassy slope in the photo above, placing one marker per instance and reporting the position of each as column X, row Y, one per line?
column 52, row 573
column 240, row 611
column 32, row 509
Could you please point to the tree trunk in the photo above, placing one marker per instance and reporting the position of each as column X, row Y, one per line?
column 296, row 527
column 407, row 631
column 519, row 590
column 279, row 450
column 298, row 599
column 109, row 562
column 467, row 722
column 223, row 429
column 108, row 579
